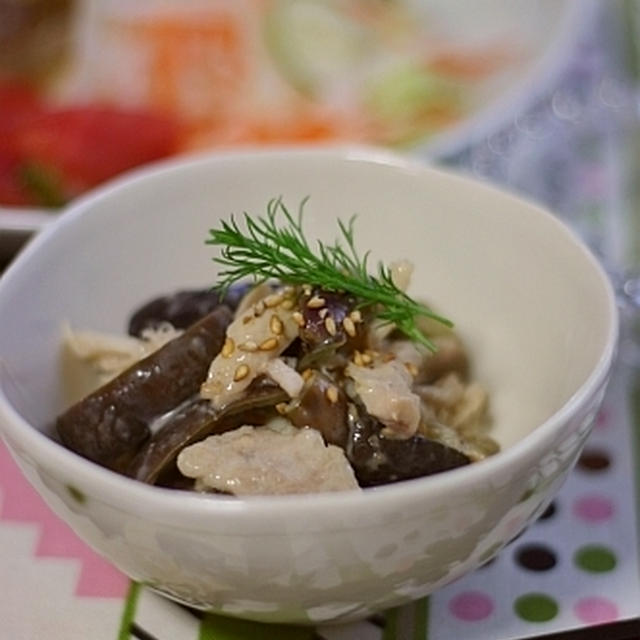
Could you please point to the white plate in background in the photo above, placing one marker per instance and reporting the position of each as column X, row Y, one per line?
column 549, row 28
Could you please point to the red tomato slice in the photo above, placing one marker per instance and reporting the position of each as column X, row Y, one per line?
column 18, row 104
column 12, row 191
column 87, row 145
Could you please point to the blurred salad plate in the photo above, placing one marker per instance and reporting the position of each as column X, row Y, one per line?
column 139, row 82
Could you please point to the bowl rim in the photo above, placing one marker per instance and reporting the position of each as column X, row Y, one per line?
column 129, row 494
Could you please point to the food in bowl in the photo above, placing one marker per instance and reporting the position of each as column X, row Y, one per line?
column 541, row 334
column 321, row 377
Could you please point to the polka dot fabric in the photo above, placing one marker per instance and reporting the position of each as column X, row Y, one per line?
column 576, row 566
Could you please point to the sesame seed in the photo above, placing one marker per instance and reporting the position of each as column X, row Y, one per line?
column 269, row 344
column 247, row 319
column 332, row 394
column 356, row 316
column 349, row 327
column 306, row 289
column 411, row 368
column 298, row 318
column 228, row 348
column 281, row 408
column 307, row 374
column 323, row 313
column 316, row 302
column 241, row 373
column 288, row 304
column 259, row 308
column 276, row 326
column 249, row 345
column 330, row 325
column 357, row 358
column 273, row 300
column 366, row 358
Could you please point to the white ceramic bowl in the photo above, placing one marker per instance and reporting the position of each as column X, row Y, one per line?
column 533, row 305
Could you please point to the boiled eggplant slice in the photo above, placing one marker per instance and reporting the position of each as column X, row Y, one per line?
column 182, row 309
column 379, row 460
column 328, row 327
column 197, row 419
column 111, row 424
column 322, row 405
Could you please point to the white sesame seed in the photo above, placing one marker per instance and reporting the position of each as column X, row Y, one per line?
column 228, row 348
column 316, row 302
column 411, row 368
column 273, row 300
column 276, row 326
column 241, row 373
column 269, row 344
column 330, row 325
column 349, row 327
column 332, row 394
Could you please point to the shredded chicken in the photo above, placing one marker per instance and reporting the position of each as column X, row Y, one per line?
column 254, row 339
column 385, row 390
column 254, row 295
column 407, row 352
column 286, row 377
column 450, row 401
column 401, row 272
column 274, row 459
column 471, row 410
column 109, row 355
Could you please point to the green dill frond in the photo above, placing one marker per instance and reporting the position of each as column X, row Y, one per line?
column 265, row 249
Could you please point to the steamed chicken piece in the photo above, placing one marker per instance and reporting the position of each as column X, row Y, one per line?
column 254, row 340
column 451, row 401
column 109, row 355
column 273, row 459
column 385, row 390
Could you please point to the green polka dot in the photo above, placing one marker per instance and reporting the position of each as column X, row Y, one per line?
column 595, row 559
column 536, row 607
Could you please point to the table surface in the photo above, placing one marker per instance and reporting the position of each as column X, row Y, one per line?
column 574, row 570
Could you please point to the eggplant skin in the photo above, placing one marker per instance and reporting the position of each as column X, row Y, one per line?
column 110, row 425
column 197, row 419
column 314, row 409
column 377, row 460
column 182, row 308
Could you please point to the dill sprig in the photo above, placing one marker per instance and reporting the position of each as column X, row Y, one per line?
column 265, row 250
